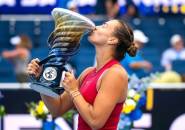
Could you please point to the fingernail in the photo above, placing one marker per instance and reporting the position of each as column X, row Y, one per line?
column 63, row 75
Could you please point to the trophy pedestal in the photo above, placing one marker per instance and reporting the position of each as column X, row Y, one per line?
column 49, row 82
column 48, row 91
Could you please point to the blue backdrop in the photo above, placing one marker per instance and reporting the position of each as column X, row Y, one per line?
column 28, row 6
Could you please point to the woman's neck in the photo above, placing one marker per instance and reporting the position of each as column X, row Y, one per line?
column 102, row 57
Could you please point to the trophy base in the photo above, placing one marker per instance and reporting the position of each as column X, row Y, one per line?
column 48, row 91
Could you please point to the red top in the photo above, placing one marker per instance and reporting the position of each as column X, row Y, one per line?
column 89, row 91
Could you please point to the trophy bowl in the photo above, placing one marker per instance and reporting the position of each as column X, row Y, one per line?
column 63, row 43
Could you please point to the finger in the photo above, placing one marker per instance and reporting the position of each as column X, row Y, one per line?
column 65, row 78
column 69, row 79
column 66, row 81
column 63, row 75
column 36, row 60
column 67, row 74
column 29, row 68
column 31, row 73
column 36, row 64
column 30, row 65
column 37, row 71
column 72, row 72
column 32, row 70
column 28, row 71
column 64, row 85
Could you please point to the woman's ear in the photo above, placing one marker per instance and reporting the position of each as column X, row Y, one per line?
column 112, row 41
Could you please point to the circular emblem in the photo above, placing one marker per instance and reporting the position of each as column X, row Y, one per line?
column 50, row 73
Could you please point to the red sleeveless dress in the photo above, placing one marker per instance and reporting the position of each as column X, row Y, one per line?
column 89, row 92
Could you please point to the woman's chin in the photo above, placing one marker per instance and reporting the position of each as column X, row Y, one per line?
column 90, row 35
column 90, row 39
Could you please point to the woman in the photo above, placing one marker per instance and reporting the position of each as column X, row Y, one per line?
column 99, row 93
column 20, row 56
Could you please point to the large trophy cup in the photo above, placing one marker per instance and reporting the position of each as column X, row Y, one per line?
column 63, row 42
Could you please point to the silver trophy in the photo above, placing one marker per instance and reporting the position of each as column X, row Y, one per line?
column 63, row 42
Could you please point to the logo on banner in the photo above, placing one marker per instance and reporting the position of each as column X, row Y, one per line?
column 28, row 3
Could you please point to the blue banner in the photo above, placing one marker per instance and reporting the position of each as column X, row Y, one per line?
column 27, row 6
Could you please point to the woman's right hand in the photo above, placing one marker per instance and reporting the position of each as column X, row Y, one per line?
column 34, row 68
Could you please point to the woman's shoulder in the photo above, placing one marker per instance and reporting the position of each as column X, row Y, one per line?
column 87, row 70
column 116, row 71
column 84, row 73
column 115, row 78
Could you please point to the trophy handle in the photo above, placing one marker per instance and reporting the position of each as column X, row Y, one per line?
column 46, row 59
column 32, row 77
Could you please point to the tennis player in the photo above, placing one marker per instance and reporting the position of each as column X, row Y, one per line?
column 99, row 92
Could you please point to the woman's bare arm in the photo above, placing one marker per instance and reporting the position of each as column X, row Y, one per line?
column 59, row 106
column 113, row 89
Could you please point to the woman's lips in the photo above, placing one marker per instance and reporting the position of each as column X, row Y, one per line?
column 91, row 32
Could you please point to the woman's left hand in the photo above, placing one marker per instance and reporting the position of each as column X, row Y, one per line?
column 69, row 82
